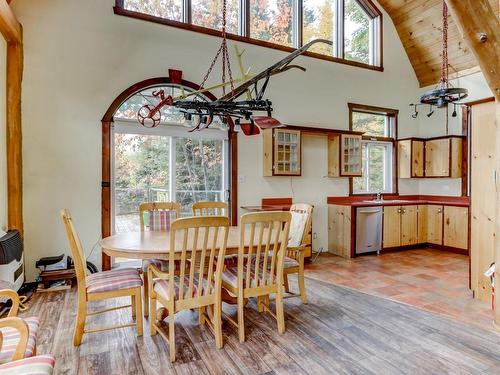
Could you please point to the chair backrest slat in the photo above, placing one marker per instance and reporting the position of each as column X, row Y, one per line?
column 210, row 209
column 200, row 244
column 159, row 215
column 264, row 267
column 76, row 248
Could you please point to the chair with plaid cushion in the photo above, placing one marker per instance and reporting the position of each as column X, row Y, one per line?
column 156, row 216
column 17, row 335
column 294, row 257
column 39, row 365
column 121, row 282
column 259, row 269
column 196, row 242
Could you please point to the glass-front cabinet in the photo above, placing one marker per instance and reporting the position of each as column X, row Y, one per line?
column 345, row 155
column 282, row 152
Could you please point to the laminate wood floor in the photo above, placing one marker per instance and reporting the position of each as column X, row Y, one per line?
column 341, row 331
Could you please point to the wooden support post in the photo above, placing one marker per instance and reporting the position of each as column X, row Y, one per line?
column 14, row 136
column 12, row 32
column 480, row 28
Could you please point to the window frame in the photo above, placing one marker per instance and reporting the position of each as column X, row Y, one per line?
column 392, row 117
column 376, row 43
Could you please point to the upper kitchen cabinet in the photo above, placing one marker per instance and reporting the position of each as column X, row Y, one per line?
column 282, row 152
column 434, row 157
column 411, row 158
column 344, row 155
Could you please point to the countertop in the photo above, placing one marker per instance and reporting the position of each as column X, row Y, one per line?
column 399, row 200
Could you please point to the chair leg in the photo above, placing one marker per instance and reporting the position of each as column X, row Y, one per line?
column 132, row 303
column 260, row 304
column 81, row 316
column 171, row 337
column 217, row 322
column 152, row 317
column 241, row 318
column 138, row 311
column 285, row 282
column 302, row 284
column 280, row 314
column 201, row 315
column 146, row 293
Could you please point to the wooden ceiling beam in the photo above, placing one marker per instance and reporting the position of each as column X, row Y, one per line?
column 9, row 26
column 480, row 28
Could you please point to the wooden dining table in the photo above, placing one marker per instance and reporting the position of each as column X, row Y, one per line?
column 156, row 244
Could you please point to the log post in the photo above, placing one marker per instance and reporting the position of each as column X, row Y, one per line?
column 12, row 32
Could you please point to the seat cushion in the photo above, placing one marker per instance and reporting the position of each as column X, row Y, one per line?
column 39, row 365
column 290, row 263
column 161, row 264
column 230, row 276
column 118, row 279
column 11, row 339
column 161, row 287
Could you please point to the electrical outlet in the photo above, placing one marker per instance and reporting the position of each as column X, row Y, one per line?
column 315, row 236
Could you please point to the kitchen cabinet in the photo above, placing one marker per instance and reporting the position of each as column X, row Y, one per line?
column 433, row 157
column 282, row 152
column 443, row 157
column 456, row 227
column 434, row 224
column 400, row 226
column 344, row 155
column 339, row 230
column 411, row 158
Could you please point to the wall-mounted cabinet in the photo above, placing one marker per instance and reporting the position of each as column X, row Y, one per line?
column 282, row 152
column 344, row 155
column 436, row 157
column 411, row 158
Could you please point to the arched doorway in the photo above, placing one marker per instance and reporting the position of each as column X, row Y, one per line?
column 125, row 107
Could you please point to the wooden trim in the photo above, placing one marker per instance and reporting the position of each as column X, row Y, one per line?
column 372, row 109
column 465, row 150
column 10, row 28
column 233, row 167
column 106, row 189
column 480, row 101
column 433, row 138
column 204, row 30
column 321, row 131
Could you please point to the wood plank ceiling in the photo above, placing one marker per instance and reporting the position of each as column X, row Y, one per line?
column 419, row 25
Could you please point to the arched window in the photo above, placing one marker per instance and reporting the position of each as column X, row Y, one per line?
column 165, row 163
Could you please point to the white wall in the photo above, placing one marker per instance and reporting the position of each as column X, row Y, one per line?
column 436, row 126
column 3, row 162
column 79, row 56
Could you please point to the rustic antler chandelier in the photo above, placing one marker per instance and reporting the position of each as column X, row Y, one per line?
column 444, row 93
column 227, row 111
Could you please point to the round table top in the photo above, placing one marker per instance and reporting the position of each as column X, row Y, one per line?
column 144, row 245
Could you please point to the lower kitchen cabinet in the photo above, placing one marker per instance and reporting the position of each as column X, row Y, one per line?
column 400, row 226
column 456, row 227
column 434, row 220
column 339, row 230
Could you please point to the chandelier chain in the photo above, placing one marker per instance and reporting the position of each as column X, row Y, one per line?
column 444, row 66
column 226, row 64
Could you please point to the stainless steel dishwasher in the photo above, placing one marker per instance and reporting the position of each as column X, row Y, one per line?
column 368, row 230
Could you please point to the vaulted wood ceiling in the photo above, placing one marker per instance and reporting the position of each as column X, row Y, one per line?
column 419, row 25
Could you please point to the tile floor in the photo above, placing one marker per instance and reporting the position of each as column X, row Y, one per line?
column 433, row 280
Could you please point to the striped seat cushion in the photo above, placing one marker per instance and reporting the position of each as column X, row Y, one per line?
column 118, row 279
column 11, row 339
column 232, row 261
column 290, row 263
column 161, row 287
column 230, row 276
column 161, row 264
column 39, row 365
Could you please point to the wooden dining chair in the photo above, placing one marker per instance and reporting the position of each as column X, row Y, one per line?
column 294, row 258
column 210, row 209
column 259, row 272
column 156, row 216
column 18, row 336
column 197, row 242
column 120, row 282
